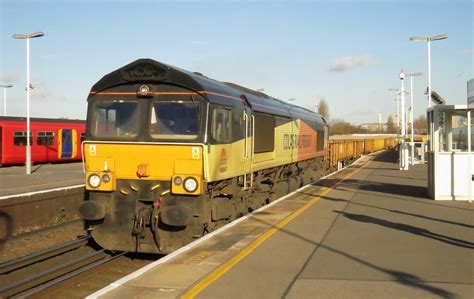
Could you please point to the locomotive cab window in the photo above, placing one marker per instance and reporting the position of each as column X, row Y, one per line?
column 116, row 118
column 19, row 138
column 221, row 128
column 45, row 138
column 176, row 119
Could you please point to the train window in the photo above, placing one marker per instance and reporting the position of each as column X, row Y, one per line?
column 45, row 138
column 19, row 138
column 116, row 118
column 221, row 127
column 264, row 133
column 174, row 120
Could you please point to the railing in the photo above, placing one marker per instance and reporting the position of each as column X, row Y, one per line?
column 419, row 152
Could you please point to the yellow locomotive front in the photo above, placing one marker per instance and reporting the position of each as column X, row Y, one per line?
column 144, row 165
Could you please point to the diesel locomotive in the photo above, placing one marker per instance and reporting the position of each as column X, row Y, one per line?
column 171, row 155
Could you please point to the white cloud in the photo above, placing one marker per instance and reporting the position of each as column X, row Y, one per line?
column 350, row 62
column 8, row 77
column 43, row 92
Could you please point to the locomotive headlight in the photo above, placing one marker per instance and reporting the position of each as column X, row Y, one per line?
column 178, row 180
column 106, row 178
column 190, row 184
column 94, row 181
column 144, row 90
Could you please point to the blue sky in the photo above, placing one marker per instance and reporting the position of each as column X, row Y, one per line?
column 348, row 52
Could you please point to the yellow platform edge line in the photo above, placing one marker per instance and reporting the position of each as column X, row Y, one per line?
column 222, row 269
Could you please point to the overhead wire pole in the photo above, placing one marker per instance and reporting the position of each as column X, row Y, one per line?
column 403, row 152
column 398, row 109
column 5, row 86
column 28, row 87
column 412, row 154
column 397, row 92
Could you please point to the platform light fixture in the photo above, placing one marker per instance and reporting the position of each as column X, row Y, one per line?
column 28, row 87
column 5, row 86
column 429, row 40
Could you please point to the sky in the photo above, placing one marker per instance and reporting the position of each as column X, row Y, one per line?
column 347, row 52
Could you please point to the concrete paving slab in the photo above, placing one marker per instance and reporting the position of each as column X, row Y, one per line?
column 14, row 180
column 327, row 288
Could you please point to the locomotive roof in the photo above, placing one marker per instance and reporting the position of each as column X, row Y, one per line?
column 224, row 93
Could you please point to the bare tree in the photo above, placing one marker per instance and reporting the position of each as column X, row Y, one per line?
column 420, row 123
column 391, row 125
column 323, row 108
column 342, row 127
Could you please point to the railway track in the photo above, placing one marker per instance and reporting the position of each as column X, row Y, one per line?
column 32, row 273
column 40, row 230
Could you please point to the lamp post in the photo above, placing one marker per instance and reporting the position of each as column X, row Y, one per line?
column 28, row 86
column 429, row 40
column 5, row 86
column 404, row 149
column 411, row 75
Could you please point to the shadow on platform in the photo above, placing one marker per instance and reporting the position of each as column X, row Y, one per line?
column 408, row 228
column 390, row 156
column 400, row 277
column 396, row 211
column 398, row 189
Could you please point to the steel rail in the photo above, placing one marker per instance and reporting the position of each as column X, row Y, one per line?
column 37, row 231
column 52, row 273
column 42, row 255
column 70, row 275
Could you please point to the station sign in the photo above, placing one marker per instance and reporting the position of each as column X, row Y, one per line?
column 470, row 94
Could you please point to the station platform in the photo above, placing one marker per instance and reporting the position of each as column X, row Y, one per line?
column 14, row 181
column 368, row 231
